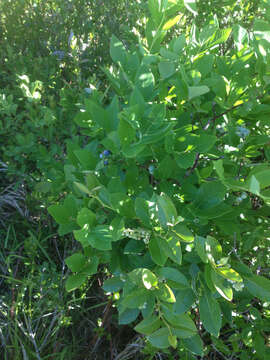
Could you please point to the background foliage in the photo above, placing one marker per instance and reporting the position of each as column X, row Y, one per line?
column 150, row 147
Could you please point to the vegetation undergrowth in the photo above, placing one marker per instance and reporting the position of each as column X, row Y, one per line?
column 150, row 150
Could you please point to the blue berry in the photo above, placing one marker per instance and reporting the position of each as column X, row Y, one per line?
column 151, row 169
column 107, row 152
column 106, row 162
column 60, row 54
column 242, row 132
column 101, row 156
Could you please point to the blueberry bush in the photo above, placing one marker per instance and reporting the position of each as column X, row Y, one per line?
column 170, row 194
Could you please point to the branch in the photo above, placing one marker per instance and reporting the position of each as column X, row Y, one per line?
column 195, row 164
column 213, row 119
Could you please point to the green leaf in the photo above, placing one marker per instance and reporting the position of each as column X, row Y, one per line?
column 204, row 64
column 156, row 251
column 60, row 213
column 91, row 268
column 183, row 326
column 200, row 248
column 170, row 23
column 86, row 158
column 210, row 313
column 185, row 298
column 133, row 150
column 221, row 36
column 159, row 338
column 155, row 11
column 213, row 249
column 149, row 279
column 183, row 232
column 259, row 346
column 218, row 166
column 67, row 228
column 204, row 142
column 142, row 211
column 240, row 34
column 134, row 247
column 242, row 268
column 207, row 34
column 165, row 293
column 112, row 285
column 122, row 204
column 157, row 135
column 229, row 273
column 167, row 213
column 135, row 299
column 210, row 213
column 195, row 91
column 117, row 51
column 222, row 287
column 172, row 248
column 99, row 238
column 71, row 204
column 82, row 188
column 137, row 100
column 173, row 341
column 126, row 132
column 185, row 160
column 258, row 286
column 126, row 316
column 254, row 185
column 75, row 281
column 117, row 228
column 145, row 81
column 149, row 306
column 173, row 274
column 76, row 262
column 207, row 277
column 179, row 44
column 166, row 69
column 262, row 177
column 210, row 194
column 100, row 117
column 262, row 30
column 148, row 325
column 194, row 344
column 86, row 216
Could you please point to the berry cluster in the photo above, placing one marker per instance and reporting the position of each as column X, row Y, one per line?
column 242, row 132
column 105, row 154
column 240, row 198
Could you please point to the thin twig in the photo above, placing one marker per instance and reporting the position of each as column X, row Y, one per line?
column 215, row 117
column 195, row 164
column 105, row 317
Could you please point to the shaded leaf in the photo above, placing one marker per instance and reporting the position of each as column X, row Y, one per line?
column 258, row 286
column 210, row 313
column 148, row 325
column 159, row 338
column 75, row 281
column 156, row 251
column 76, row 262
